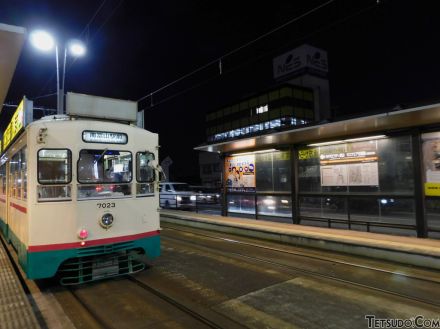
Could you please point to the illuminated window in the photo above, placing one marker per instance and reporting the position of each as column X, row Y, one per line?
column 262, row 109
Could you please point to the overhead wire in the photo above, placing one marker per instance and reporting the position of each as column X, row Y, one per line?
column 219, row 59
column 257, row 58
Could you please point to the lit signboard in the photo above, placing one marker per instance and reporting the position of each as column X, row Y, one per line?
column 431, row 163
column 14, row 127
column 104, row 137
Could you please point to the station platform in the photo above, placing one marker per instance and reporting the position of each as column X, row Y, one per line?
column 405, row 250
column 16, row 311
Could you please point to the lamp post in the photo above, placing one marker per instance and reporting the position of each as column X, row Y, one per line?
column 45, row 42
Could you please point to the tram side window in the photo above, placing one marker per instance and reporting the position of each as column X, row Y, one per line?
column 144, row 173
column 54, row 173
column 3, row 179
column 18, row 175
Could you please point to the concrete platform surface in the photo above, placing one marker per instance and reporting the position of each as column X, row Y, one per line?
column 406, row 250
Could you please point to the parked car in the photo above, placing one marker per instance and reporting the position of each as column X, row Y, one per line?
column 207, row 194
column 176, row 195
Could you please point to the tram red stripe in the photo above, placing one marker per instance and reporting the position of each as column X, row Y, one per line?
column 90, row 243
column 18, row 207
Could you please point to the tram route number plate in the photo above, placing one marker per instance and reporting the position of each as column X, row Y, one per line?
column 103, row 268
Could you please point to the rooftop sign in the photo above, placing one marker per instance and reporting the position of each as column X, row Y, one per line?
column 304, row 59
column 101, row 107
column 14, row 126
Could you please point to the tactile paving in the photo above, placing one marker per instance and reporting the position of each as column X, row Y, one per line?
column 15, row 310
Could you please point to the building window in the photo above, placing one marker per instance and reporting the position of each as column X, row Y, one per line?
column 262, row 109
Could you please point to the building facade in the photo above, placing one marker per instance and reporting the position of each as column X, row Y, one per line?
column 278, row 108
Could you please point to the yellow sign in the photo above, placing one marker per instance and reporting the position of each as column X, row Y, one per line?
column 432, row 189
column 14, row 126
column 308, row 154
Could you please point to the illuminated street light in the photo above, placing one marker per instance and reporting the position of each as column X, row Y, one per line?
column 45, row 42
column 77, row 48
column 42, row 40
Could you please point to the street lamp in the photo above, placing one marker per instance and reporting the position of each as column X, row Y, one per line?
column 45, row 42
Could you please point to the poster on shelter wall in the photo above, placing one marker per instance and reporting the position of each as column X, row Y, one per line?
column 431, row 163
column 349, row 169
column 240, row 172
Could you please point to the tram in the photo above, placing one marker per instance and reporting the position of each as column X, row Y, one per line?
column 79, row 195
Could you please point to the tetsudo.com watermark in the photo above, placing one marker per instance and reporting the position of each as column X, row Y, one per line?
column 418, row 321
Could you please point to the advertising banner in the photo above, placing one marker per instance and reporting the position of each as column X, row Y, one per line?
column 239, row 173
column 349, row 169
column 431, row 163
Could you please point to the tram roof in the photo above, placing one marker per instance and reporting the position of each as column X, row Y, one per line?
column 11, row 43
column 378, row 123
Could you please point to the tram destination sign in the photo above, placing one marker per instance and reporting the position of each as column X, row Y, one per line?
column 104, row 137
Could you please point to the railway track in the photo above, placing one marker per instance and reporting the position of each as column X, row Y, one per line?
column 91, row 316
column 314, row 273
column 201, row 318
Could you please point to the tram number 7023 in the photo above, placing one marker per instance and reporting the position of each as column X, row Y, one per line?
column 106, row 205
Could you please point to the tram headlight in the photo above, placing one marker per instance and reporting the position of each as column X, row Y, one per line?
column 193, row 198
column 106, row 220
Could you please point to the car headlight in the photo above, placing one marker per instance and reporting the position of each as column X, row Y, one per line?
column 106, row 220
column 178, row 198
column 193, row 198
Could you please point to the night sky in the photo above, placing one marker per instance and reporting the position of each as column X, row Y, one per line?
column 380, row 55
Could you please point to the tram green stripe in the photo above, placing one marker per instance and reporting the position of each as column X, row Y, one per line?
column 4, row 228
column 39, row 265
column 45, row 264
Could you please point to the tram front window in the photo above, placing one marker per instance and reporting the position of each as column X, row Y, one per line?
column 144, row 173
column 104, row 173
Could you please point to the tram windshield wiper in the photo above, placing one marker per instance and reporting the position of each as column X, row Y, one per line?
column 102, row 154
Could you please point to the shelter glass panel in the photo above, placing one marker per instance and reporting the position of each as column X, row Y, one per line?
column 323, row 207
column 433, row 216
column 273, row 171
column 244, row 204
column 279, row 206
column 383, row 210
column 377, row 165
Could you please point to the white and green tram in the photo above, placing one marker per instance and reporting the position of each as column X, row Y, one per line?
column 79, row 195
